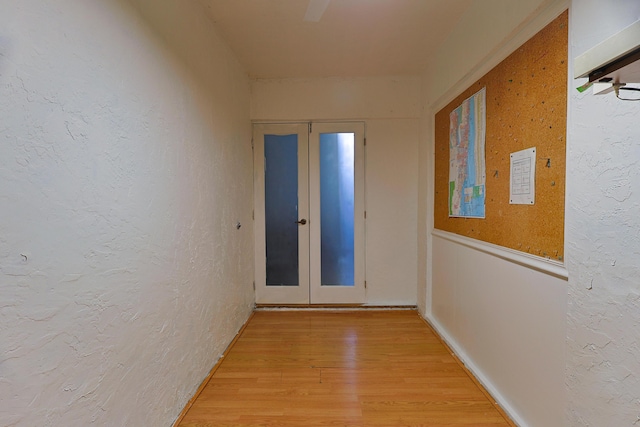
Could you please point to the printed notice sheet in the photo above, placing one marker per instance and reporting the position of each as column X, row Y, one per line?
column 522, row 188
column 466, row 158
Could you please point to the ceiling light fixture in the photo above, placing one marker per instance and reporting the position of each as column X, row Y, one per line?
column 315, row 10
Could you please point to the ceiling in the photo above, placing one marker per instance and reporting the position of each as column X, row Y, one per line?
column 353, row 38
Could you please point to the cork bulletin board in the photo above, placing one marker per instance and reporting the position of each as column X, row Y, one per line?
column 526, row 106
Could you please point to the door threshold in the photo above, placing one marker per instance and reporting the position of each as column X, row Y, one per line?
column 264, row 307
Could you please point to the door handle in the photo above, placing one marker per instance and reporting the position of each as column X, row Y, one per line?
column 302, row 221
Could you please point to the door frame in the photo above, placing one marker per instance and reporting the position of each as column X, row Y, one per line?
column 309, row 291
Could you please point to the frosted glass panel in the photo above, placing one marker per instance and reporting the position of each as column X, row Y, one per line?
column 281, row 209
column 337, row 209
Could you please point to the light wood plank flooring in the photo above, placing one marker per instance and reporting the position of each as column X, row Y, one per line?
column 341, row 368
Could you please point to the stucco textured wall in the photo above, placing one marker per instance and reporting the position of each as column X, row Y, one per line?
column 603, row 236
column 125, row 164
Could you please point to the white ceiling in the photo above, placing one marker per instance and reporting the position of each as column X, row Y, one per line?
column 353, row 37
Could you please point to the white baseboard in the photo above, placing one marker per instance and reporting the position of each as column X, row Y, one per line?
column 477, row 372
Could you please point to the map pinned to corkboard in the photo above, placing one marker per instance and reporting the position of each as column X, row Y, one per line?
column 526, row 106
column 467, row 173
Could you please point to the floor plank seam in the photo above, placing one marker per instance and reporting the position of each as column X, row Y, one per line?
column 343, row 367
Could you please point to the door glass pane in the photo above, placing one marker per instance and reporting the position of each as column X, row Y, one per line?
column 337, row 181
column 281, row 209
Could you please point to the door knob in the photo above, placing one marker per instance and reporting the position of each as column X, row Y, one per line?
column 302, row 221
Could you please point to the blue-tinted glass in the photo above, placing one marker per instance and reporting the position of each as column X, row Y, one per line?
column 281, row 209
column 337, row 208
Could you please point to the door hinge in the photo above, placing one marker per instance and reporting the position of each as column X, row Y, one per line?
column 254, row 285
column 365, row 142
column 252, row 143
column 365, row 214
column 310, row 127
column 365, row 284
column 253, row 215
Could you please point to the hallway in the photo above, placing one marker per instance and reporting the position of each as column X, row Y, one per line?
column 340, row 368
column 130, row 234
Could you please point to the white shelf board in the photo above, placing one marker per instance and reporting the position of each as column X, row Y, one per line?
column 613, row 49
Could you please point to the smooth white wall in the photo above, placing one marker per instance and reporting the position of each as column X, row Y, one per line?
column 390, row 108
column 486, row 34
column 505, row 320
column 603, row 236
column 488, row 31
column 125, row 163
column 336, row 98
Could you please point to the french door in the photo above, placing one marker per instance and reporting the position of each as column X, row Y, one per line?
column 309, row 213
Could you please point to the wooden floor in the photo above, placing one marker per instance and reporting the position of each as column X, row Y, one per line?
column 343, row 368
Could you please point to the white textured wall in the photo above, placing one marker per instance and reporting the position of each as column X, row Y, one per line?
column 603, row 236
column 507, row 321
column 125, row 163
column 390, row 108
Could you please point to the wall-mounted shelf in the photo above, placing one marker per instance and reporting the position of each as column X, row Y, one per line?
column 615, row 60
